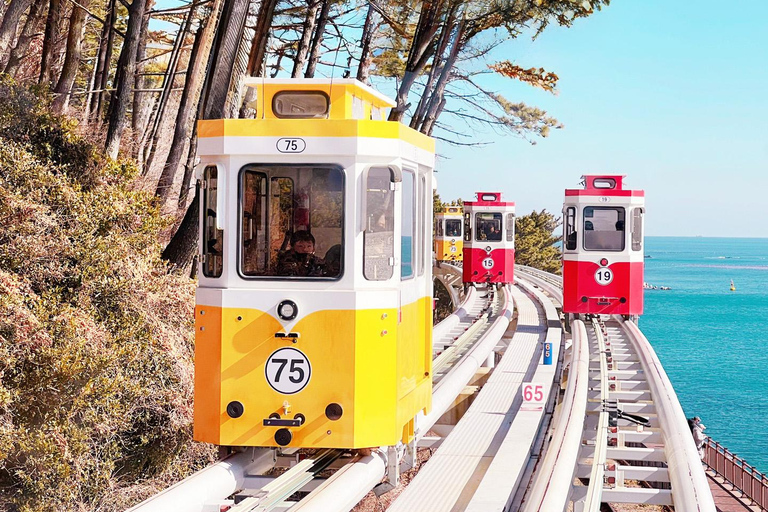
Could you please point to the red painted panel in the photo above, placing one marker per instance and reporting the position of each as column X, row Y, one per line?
column 477, row 267
column 579, row 282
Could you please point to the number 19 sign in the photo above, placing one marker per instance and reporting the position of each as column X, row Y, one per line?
column 533, row 394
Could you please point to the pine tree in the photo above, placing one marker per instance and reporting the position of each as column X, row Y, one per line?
column 535, row 241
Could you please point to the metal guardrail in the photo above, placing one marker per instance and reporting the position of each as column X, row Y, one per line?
column 737, row 472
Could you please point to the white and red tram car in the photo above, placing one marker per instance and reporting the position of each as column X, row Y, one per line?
column 489, row 239
column 603, row 247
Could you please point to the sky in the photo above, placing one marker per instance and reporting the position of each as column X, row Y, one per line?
column 670, row 94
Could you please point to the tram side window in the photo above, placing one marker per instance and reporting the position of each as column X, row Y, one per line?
column 488, row 227
column 422, row 215
column 603, row 228
column 637, row 229
column 439, row 226
column 407, row 239
column 453, row 227
column 570, row 228
column 467, row 227
column 510, row 227
column 213, row 238
column 291, row 219
column 379, row 235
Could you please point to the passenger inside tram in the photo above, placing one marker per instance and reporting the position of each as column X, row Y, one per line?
column 452, row 228
column 300, row 260
column 291, row 214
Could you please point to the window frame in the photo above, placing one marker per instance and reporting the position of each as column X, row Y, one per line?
column 622, row 209
column 510, row 228
column 324, row 115
column 259, row 167
column 460, row 221
column 636, row 233
column 501, row 226
column 217, row 220
column 569, row 228
column 414, row 213
column 393, row 178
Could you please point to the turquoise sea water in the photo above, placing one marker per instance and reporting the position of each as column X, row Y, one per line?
column 712, row 342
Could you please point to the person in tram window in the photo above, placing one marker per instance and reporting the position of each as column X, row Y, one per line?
column 333, row 261
column 300, row 260
column 494, row 234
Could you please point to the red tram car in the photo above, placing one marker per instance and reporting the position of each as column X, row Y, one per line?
column 603, row 247
column 489, row 240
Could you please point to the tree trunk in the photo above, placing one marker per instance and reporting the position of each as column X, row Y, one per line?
column 435, row 69
column 51, row 30
column 225, row 50
column 102, row 78
column 168, row 80
column 437, row 101
column 72, row 58
column 189, row 168
column 139, row 116
column 189, row 99
column 366, row 56
column 314, row 54
column 182, row 248
column 306, row 37
column 10, row 24
column 126, row 68
column 261, row 37
column 31, row 26
column 418, row 55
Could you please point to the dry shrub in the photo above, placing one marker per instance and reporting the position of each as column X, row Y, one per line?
column 95, row 333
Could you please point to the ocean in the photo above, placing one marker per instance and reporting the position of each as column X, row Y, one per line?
column 713, row 342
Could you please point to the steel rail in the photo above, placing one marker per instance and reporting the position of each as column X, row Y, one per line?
column 212, row 483
column 595, row 491
column 559, row 464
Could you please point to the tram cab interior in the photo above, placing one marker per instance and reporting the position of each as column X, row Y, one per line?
column 314, row 304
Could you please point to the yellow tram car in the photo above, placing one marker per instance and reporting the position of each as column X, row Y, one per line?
column 449, row 236
column 314, row 305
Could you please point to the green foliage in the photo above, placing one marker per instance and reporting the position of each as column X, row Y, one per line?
column 95, row 334
column 535, row 241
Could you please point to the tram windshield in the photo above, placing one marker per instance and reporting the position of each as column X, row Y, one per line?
column 292, row 219
column 603, row 228
column 488, row 227
column 452, row 227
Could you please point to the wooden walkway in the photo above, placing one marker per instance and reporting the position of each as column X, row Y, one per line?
column 726, row 497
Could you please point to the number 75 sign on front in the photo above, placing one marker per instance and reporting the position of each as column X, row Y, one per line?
column 533, row 395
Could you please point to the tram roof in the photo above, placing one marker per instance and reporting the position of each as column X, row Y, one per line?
column 351, row 86
column 603, row 185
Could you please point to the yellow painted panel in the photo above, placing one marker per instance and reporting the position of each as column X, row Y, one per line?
column 327, row 341
column 443, row 249
column 354, row 362
column 375, row 367
column 207, row 374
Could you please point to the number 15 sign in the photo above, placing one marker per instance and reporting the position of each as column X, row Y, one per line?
column 533, row 396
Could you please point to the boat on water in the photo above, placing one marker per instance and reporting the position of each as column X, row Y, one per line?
column 733, row 286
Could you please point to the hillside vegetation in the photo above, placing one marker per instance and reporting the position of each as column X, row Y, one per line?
column 95, row 334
